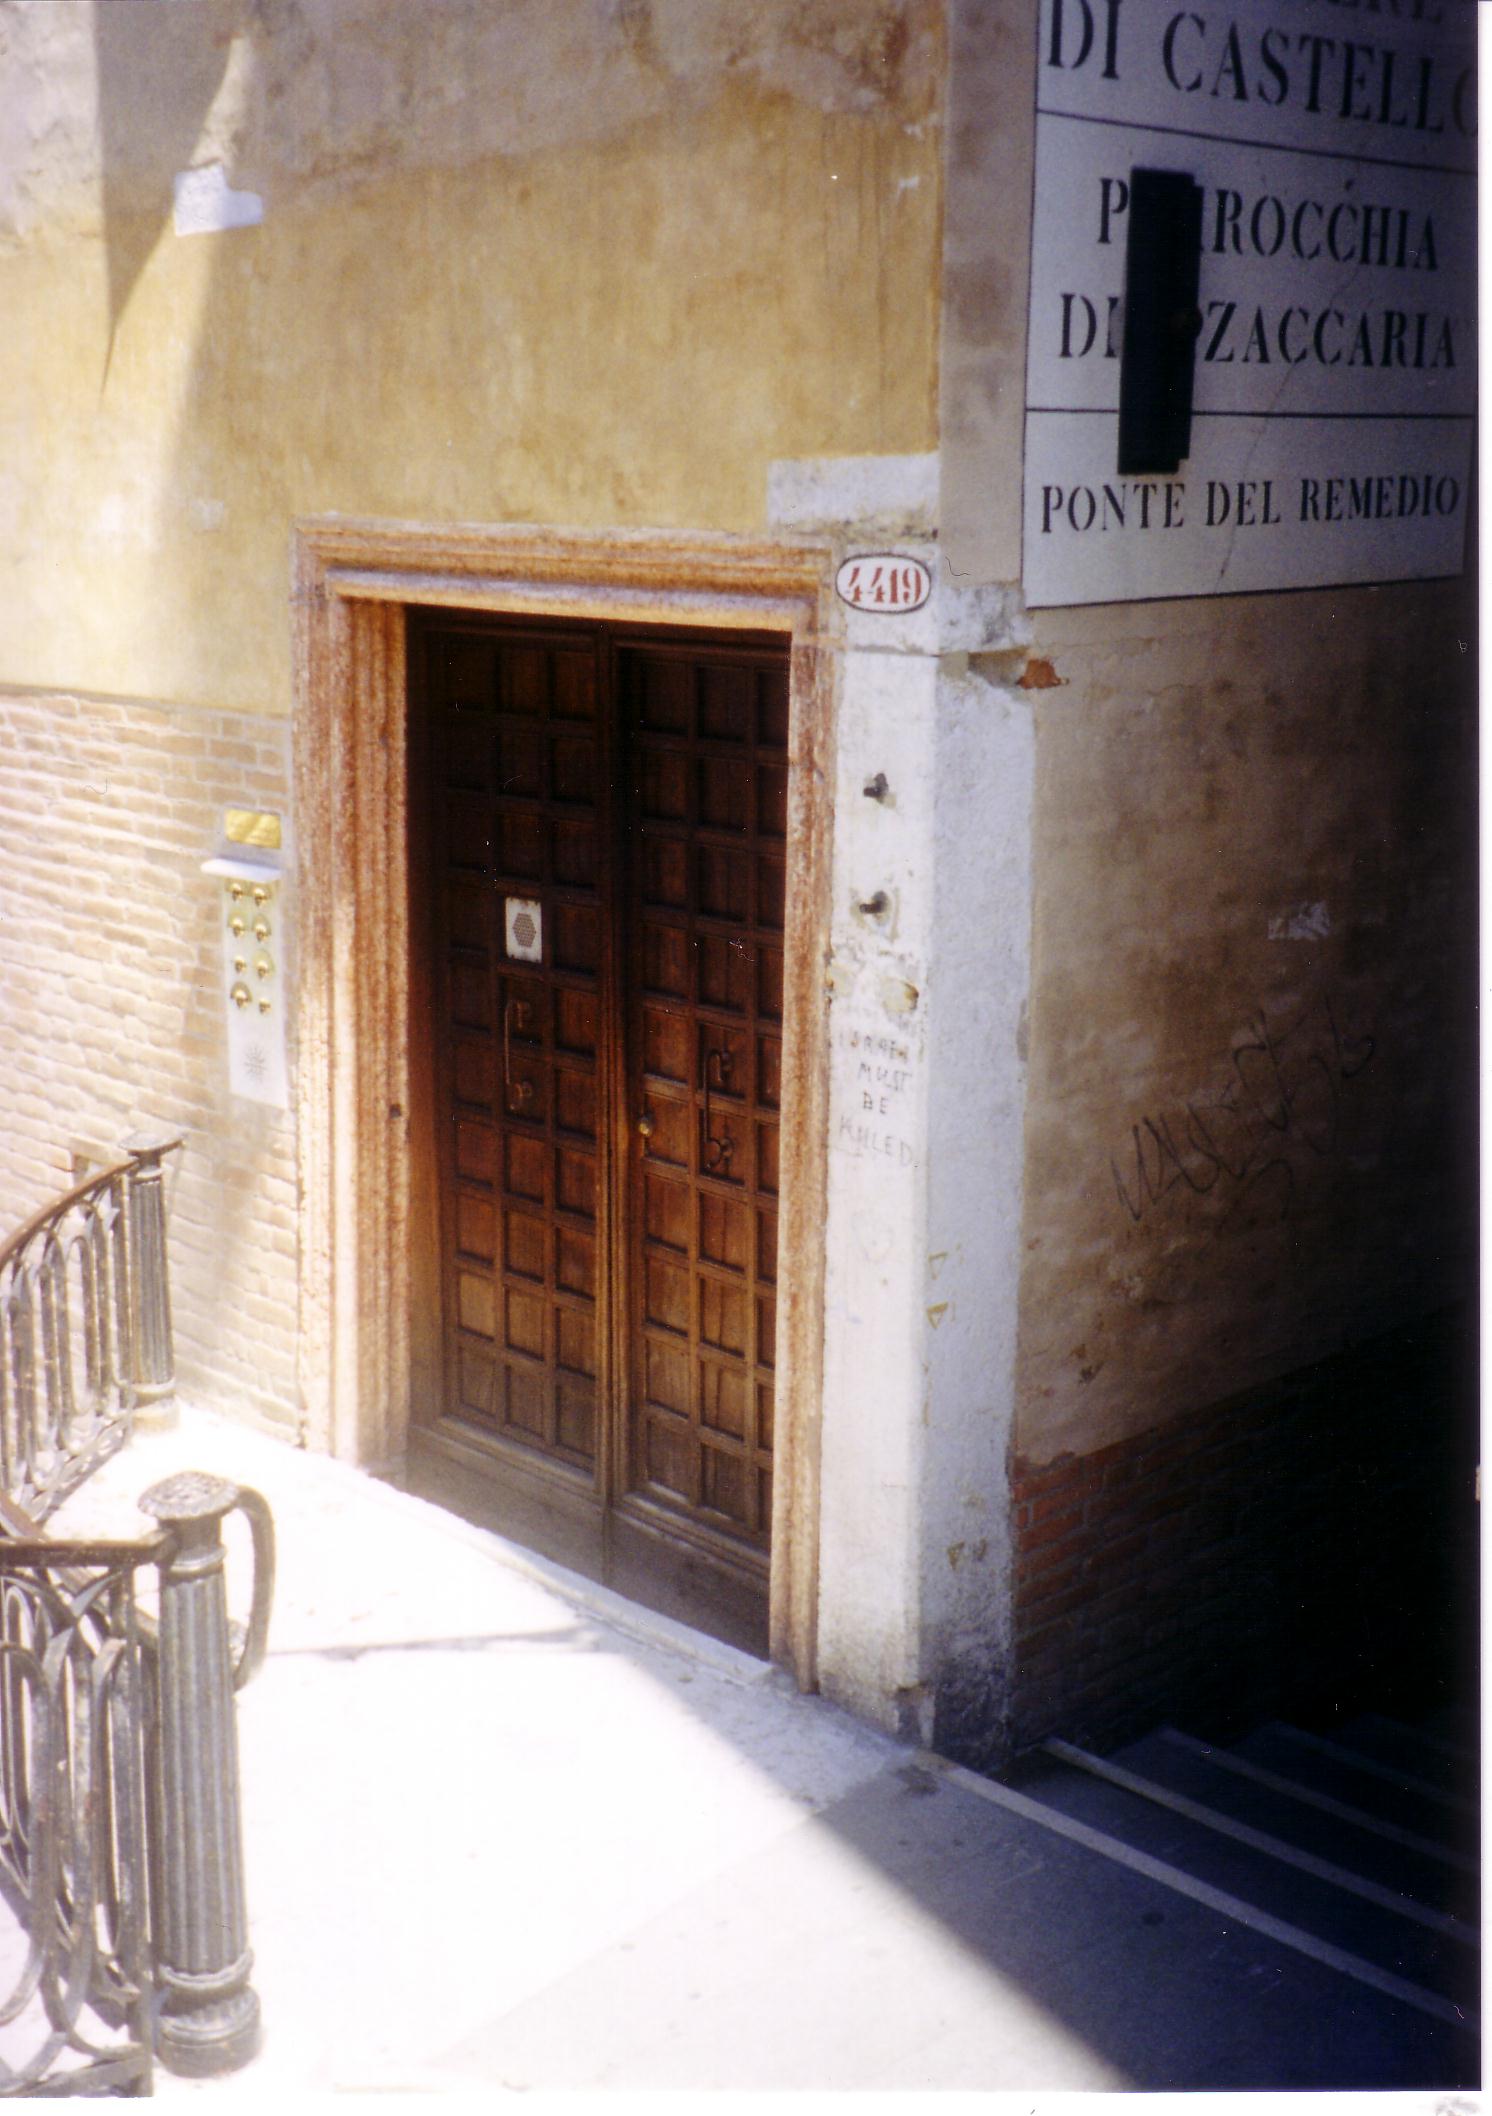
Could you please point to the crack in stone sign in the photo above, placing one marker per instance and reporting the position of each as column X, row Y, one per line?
column 1282, row 1091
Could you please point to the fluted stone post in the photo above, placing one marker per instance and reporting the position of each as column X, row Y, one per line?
column 209, row 2018
column 154, row 1377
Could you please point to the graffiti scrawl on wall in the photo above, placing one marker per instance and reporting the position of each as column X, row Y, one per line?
column 1276, row 1107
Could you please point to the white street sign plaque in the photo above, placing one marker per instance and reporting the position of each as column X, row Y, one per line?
column 1336, row 358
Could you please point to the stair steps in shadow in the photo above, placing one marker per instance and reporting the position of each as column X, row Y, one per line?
column 1358, row 1850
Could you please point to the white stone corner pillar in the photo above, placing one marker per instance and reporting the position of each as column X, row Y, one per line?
column 930, row 939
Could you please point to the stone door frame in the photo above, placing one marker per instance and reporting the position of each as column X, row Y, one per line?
column 352, row 583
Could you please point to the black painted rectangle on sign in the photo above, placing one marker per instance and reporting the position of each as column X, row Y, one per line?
column 1158, row 355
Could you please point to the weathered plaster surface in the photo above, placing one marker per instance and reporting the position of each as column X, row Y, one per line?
column 1251, row 1015
column 601, row 265
column 990, row 135
column 890, row 495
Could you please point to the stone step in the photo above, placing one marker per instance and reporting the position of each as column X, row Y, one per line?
column 1438, row 1961
column 1427, row 1757
column 1392, row 1793
column 1455, row 1726
column 1427, row 1869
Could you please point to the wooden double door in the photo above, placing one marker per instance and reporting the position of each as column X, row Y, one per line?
column 600, row 863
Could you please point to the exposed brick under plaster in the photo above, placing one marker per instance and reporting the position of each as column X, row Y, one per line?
column 111, row 1012
column 1308, row 1548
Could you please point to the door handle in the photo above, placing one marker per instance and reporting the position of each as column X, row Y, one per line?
column 717, row 1152
column 519, row 1091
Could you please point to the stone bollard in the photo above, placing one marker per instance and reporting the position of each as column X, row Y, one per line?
column 153, row 1379
column 209, row 2014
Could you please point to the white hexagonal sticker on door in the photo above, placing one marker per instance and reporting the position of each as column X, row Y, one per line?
column 523, row 927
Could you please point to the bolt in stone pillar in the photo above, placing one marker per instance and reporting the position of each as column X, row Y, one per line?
column 209, row 2018
column 154, row 1377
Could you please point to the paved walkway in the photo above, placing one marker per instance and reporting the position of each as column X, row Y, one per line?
column 504, row 1830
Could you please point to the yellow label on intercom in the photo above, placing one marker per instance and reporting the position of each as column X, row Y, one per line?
column 250, row 826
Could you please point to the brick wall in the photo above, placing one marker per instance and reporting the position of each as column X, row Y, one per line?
column 110, row 1010
column 1308, row 1549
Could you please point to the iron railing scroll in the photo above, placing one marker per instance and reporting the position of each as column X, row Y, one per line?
column 121, row 1846
column 85, row 1327
column 75, row 1983
column 123, row 1930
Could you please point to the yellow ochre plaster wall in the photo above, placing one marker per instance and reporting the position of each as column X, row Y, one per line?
column 595, row 262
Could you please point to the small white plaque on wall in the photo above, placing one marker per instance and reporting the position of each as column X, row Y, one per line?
column 891, row 583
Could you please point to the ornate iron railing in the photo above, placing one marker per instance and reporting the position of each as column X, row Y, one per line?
column 121, row 1853
column 123, row 1928
column 75, row 1984
column 85, row 1327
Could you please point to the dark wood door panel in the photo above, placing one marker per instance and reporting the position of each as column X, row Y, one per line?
column 613, row 806
column 706, row 742
column 515, row 785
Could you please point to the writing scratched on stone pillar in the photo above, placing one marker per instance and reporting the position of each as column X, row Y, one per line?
column 873, row 1119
